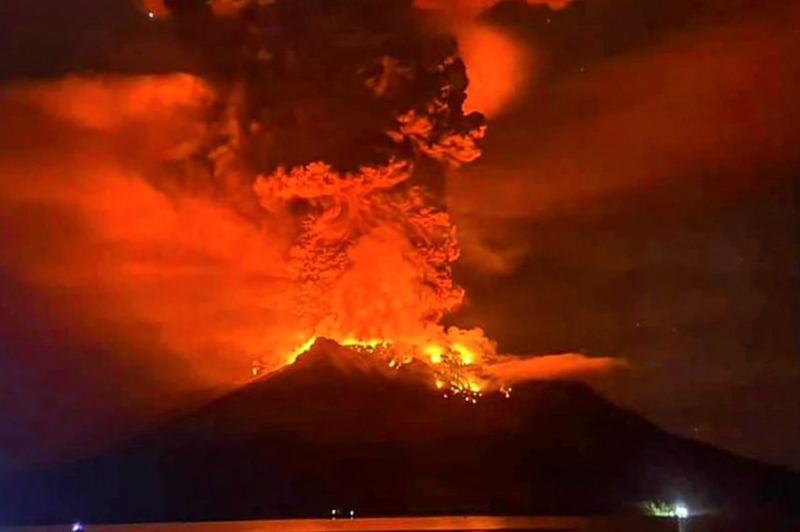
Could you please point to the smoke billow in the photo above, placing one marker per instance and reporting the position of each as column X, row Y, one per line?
column 344, row 118
column 293, row 189
column 341, row 120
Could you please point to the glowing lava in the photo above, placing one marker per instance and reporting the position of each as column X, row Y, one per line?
column 451, row 365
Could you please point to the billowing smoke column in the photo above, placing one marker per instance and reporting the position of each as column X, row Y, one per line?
column 334, row 124
column 342, row 117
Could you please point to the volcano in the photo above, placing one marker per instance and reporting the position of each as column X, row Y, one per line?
column 340, row 429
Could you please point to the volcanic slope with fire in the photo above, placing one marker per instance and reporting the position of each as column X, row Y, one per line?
column 341, row 429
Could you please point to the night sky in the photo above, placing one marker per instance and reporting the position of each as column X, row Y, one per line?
column 639, row 200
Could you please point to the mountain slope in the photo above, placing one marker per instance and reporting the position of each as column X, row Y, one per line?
column 338, row 429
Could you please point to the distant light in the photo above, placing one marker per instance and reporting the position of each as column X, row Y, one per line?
column 77, row 527
column 352, row 514
column 151, row 14
column 681, row 511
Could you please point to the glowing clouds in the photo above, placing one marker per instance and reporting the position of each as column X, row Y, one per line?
column 498, row 68
column 645, row 129
column 235, row 232
column 209, row 283
column 107, row 102
column 511, row 369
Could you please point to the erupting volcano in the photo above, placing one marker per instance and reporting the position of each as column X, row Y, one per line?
column 331, row 128
column 264, row 239
column 341, row 429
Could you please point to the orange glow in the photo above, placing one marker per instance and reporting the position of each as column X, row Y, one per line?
column 490, row 373
column 372, row 343
column 222, row 269
column 226, row 8
column 301, row 349
column 143, row 252
column 447, row 360
column 220, row 286
column 651, row 135
column 467, row 357
column 497, row 67
column 508, row 369
column 435, row 353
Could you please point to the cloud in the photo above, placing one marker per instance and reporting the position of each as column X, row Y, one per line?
column 703, row 116
column 498, row 66
column 151, row 246
column 512, row 369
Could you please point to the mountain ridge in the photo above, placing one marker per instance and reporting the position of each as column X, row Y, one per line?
column 340, row 428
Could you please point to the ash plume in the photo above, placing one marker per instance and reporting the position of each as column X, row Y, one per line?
column 340, row 119
column 343, row 118
column 293, row 189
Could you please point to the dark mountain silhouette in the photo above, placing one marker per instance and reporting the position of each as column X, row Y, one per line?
column 340, row 430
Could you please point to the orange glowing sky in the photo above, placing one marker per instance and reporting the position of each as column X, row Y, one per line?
column 632, row 201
